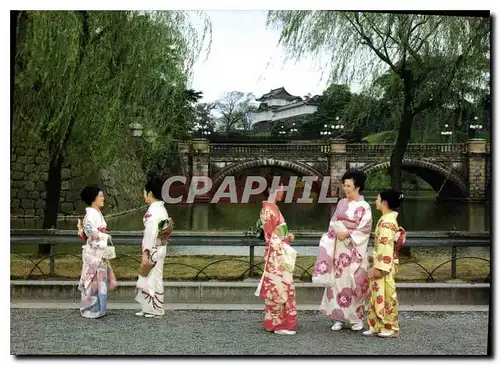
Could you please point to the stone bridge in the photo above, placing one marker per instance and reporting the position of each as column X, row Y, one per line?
column 453, row 170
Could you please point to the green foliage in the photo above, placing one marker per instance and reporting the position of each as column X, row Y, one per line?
column 330, row 109
column 461, row 102
column 235, row 109
column 380, row 138
column 203, row 115
column 83, row 77
column 425, row 54
column 362, row 45
column 379, row 180
column 365, row 115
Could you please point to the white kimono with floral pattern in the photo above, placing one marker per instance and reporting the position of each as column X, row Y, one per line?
column 345, row 300
column 97, row 276
column 150, row 289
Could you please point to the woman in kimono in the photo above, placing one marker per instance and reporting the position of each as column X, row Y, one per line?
column 383, row 309
column 343, row 302
column 150, row 287
column 97, row 276
column 276, row 286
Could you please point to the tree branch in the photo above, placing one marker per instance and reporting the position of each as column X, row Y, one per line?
column 84, row 38
column 426, row 37
column 416, row 26
column 405, row 44
column 437, row 99
column 384, row 39
column 369, row 42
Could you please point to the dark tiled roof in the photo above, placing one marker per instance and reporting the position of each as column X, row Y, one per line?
column 279, row 93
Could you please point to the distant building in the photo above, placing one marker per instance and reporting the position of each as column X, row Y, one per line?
column 279, row 105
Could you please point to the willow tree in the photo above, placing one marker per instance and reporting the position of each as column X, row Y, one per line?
column 82, row 77
column 461, row 102
column 361, row 46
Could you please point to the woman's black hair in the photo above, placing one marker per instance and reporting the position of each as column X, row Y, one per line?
column 154, row 185
column 269, row 183
column 392, row 197
column 89, row 194
column 358, row 177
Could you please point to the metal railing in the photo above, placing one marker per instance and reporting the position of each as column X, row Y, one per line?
column 453, row 240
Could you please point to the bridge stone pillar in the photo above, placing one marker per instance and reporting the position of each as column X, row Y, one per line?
column 201, row 152
column 194, row 156
column 477, row 169
column 338, row 164
column 184, row 149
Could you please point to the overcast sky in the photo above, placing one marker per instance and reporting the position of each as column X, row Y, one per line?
column 244, row 57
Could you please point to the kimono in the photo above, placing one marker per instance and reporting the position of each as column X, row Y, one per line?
column 345, row 300
column 150, row 288
column 383, row 308
column 97, row 276
column 276, row 286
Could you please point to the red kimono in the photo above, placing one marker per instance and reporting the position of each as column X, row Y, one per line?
column 276, row 286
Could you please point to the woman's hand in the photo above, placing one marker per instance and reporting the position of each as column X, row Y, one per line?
column 342, row 235
column 369, row 273
column 374, row 273
column 144, row 260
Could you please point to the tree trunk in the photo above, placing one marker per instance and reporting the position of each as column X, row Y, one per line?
column 404, row 134
column 52, row 199
column 19, row 24
column 57, row 156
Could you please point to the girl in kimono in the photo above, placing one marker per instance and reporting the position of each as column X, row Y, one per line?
column 276, row 286
column 383, row 309
column 97, row 276
column 150, row 288
column 343, row 302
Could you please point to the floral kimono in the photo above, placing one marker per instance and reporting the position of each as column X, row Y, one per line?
column 345, row 300
column 276, row 286
column 97, row 276
column 150, row 288
column 383, row 309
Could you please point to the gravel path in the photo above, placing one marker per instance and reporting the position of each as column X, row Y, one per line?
column 63, row 331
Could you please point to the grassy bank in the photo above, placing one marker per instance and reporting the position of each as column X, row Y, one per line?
column 203, row 267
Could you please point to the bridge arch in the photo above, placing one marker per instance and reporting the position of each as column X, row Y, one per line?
column 434, row 174
column 238, row 167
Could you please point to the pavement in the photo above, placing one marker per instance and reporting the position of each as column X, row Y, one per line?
column 220, row 331
column 113, row 305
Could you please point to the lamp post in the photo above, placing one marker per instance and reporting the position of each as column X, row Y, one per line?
column 201, row 131
column 338, row 124
column 137, row 131
column 287, row 132
column 326, row 132
column 282, row 131
column 446, row 132
column 293, row 131
column 474, row 128
column 331, row 129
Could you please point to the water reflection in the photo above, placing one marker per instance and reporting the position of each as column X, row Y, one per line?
column 418, row 215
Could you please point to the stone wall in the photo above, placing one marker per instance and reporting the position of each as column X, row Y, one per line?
column 122, row 182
